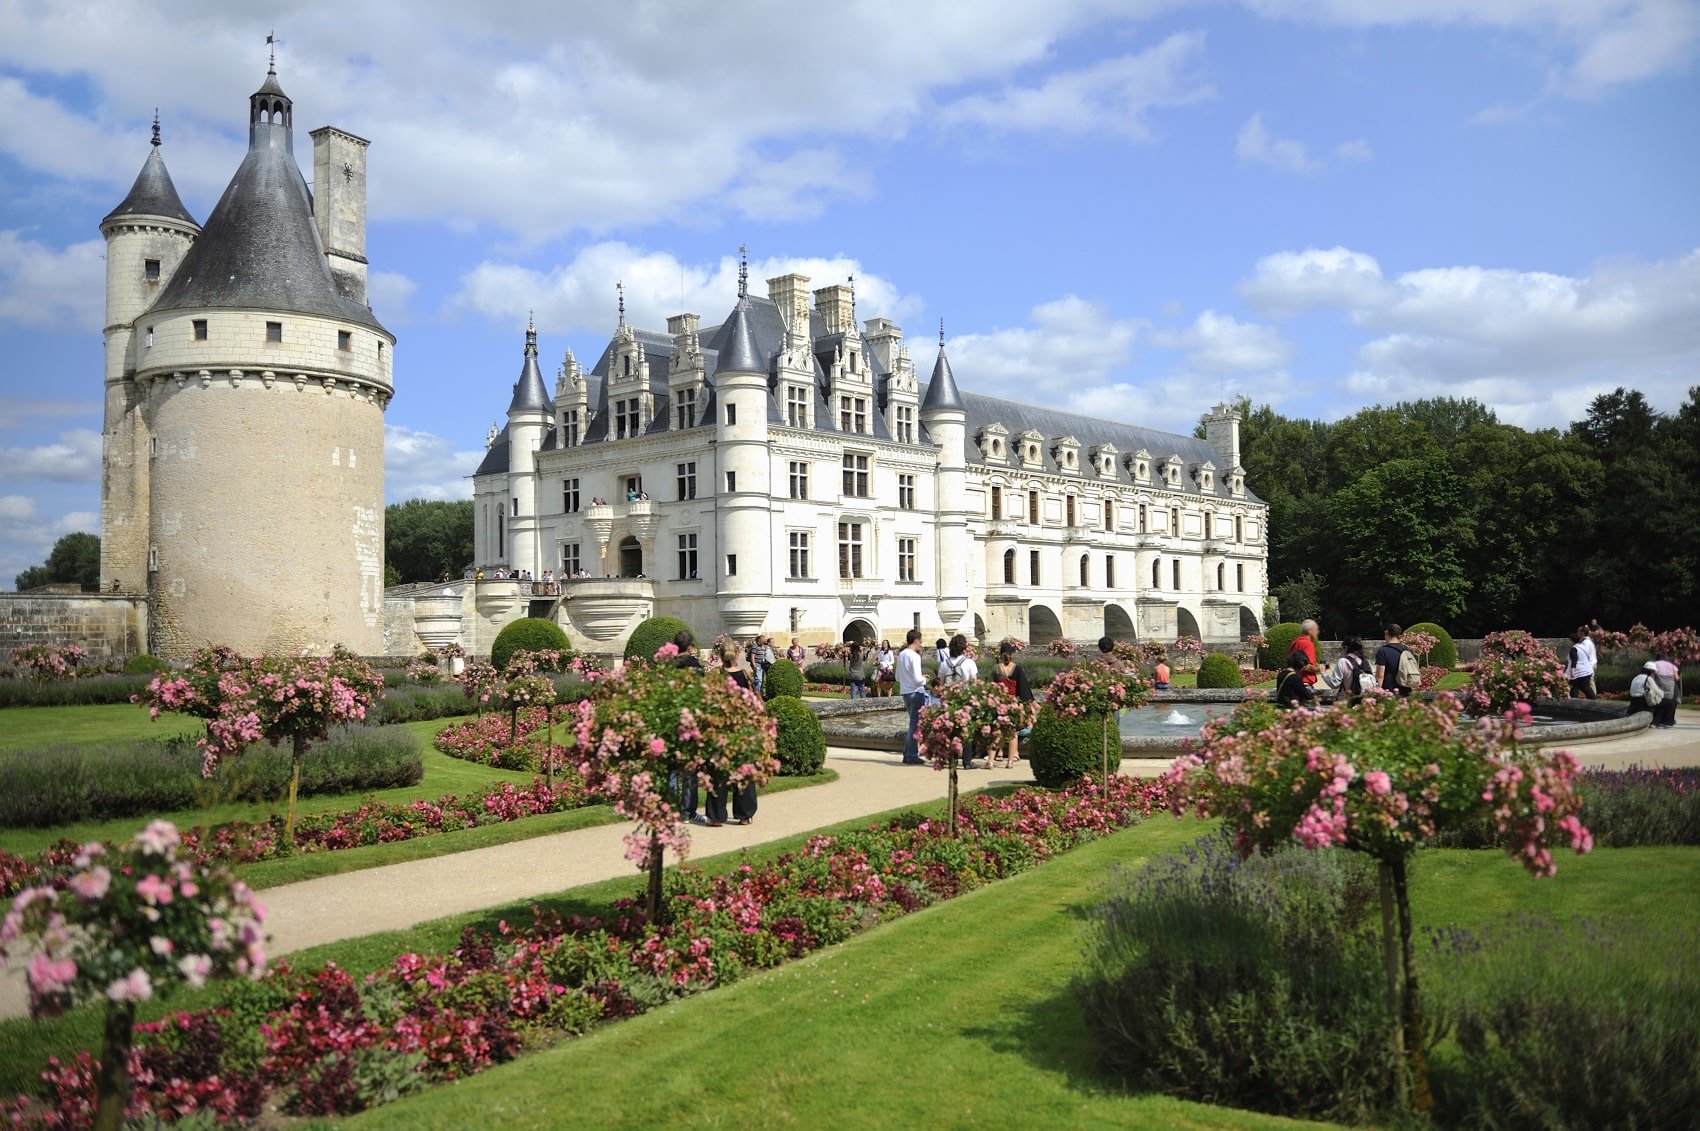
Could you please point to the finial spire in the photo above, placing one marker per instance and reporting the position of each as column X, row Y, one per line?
column 941, row 333
column 155, row 142
column 852, row 302
column 621, row 288
column 743, row 273
column 271, row 43
column 531, row 320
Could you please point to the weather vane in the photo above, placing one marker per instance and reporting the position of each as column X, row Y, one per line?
column 621, row 288
column 743, row 273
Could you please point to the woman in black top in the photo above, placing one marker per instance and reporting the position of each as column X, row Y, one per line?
column 1293, row 691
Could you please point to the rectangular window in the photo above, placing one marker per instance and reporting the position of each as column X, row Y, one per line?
column 1033, row 567
column 685, row 409
column 1033, row 508
column 569, row 426
column 274, row 331
column 569, row 496
column 731, row 482
column 570, row 560
column 1239, row 578
column 200, row 325
column 905, row 424
column 731, row 414
column 1068, row 506
column 853, row 414
column 906, row 492
column 799, row 555
column 687, row 481
column 997, row 503
column 153, row 559
column 150, row 268
column 687, row 557
column 634, row 488
column 1175, row 522
column 906, row 559
column 856, row 475
column 1109, row 571
column 516, row 506
column 147, row 339
column 1143, row 517
column 849, row 549
column 731, row 565
column 799, row 479
column 1109, row 515
column 796, row 406
column 627, row 417
column 1177, row 572
column 344, row 340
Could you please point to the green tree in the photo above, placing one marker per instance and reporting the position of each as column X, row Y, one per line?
column 427, row 540
column 74, row 558
column 1402, row 540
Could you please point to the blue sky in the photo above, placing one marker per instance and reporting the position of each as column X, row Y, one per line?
column 1126, row 209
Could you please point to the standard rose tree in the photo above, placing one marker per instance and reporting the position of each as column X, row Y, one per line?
column 1384, row 779
column 130, row 924
column 976, row 713
column 1097, row 691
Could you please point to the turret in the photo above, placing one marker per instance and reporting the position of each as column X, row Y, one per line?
column 945, row 418
column 147, row 236
column 529, row 417
column 743, row 507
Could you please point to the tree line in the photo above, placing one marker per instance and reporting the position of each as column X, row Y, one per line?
column 1436, row 510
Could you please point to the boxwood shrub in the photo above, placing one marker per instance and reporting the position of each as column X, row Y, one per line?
column 1277, row 644
column 1064, row 750
column 528, row 634
column 784, row 678
column 145, row 664
column 1217, row 671
column 652, row 634
column 66, row 784
column 801, row 744
column 1445, row 654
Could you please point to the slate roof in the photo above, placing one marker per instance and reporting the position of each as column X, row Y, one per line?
column 260, row 248
column 153, row 194
column 942, row 392
column 529, row 392
column 737, row 351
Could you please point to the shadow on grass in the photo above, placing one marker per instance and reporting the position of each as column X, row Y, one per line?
column 1049, row 1034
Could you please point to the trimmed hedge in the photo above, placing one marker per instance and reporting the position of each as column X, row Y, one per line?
column 1218, row 671
column 825, row 672
column 802, row 744
column 651, row 635
column 528, row 634
column 145, row 664
column 1064, row 750
column 418, row 701
column 1445, row 654
column 784, row 679
column 65, row 784
column 1277, row 645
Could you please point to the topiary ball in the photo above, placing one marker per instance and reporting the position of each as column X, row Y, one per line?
column 1277, row 645
column 1064, row 750
column 1219, row 671
column 801, row 744
column 145, row 664
column 1445, row 654
column 651, row 635
column 784, row 678
column 528, row 634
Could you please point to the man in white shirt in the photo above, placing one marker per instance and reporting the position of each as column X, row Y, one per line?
column 912, row 685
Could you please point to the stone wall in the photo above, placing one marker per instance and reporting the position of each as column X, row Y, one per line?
column 111, row 627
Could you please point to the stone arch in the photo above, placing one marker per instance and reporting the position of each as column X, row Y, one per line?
column 1186, row 624
column 1042, row 625
column 979, row 627
column 1118, row 625
column 631, row 556
column 859, row 630
column 1248, row 622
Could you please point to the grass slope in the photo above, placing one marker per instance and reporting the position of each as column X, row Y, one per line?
column 33, row 728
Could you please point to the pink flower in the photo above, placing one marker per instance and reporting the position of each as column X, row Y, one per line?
column 161, row 946
column 50, row 975
column 137, row 986
column 160, row 837
column 1378, row 783
column 91, row 885
column 154, row 890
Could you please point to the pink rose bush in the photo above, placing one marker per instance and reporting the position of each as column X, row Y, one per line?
column 1514, row 668
column 978, row 713
column 1188, row 651
column 44, row 662
column 1094, row 690
column 1065, row 648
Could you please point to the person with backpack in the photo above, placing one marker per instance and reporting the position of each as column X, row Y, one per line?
column 1645, row 694
column 958, row 667
column 1397, row 668
column 1668, row 676
column 1351, row 674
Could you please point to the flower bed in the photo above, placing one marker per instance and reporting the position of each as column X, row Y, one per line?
column 333, row 1044
column 489, row 741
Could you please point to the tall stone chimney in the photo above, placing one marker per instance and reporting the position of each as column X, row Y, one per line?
column 790, row 293
column 1222, row 431
column 837, row 308
column 339, row 206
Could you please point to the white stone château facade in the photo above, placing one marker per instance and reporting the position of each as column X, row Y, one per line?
column 785, row 472
column 246, row 382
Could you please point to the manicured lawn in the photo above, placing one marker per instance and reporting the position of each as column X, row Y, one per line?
column 34, row 728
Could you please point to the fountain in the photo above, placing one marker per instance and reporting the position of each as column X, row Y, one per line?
column 1175, row 719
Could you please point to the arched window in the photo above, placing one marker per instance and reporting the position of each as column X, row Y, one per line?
column 1009, row 567
column 1157, row 573
column 1221, row 576
column 1085, row 571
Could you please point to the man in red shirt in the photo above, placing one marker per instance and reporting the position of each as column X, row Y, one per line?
column 1306, row 643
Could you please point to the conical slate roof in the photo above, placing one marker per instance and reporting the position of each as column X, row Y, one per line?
column 153, row 194
column 942, row 392
column 530, row 395
column 260, row 248
column 738, row 355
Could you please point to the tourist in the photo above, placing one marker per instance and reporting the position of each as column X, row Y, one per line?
column 1387, row 659
column 1579, row 665
column 885, row 673
column 1294, row 690
column 767, row 657
column 685, row 786
column 1013, row 678
column 1309, row 633
column 912, row 686
column 1350, row 676
column 1639, row 700
column 795, row 653
column 958, row 667
column 941, row 651
column 1107, row 655
column 1160, row 673
column 857, row 668
column 1670, row 684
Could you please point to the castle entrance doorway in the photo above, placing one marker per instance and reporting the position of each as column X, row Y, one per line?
column 631, row 558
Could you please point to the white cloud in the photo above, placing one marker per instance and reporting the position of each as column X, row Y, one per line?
column 74, row 459
column 26, row 534
column 1218, row 343
column 1112, row 96
column 388, row 292
column 420, row 465
column 1535, row 345
column 1072, row 343
column 15, row 409
column 59, row 289
column 1256, row 144
column 580, row 295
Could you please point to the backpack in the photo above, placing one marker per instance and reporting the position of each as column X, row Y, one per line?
column 951, row 670
column 1364, row 677
column 1410, row 670
column 1652, row 693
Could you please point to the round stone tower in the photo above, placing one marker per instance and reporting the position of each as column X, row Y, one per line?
column 945, row 416
column 743, row 511
column 260, row 380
